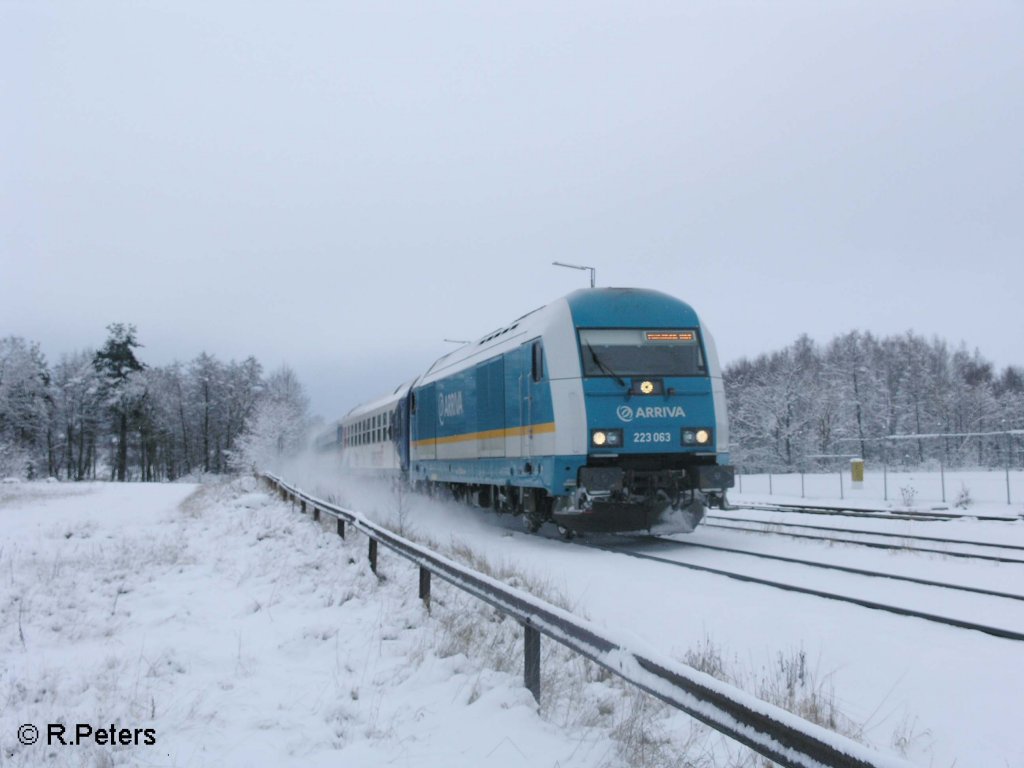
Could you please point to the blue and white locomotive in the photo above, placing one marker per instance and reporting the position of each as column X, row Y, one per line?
column 601, row 411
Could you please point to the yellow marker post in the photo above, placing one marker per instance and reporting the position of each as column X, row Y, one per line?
column 857, row 472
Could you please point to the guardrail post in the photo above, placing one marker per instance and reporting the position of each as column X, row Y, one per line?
column 373, row 555
column 341, row 528
column 531, row 661
column 302, row 506
column 425, row 587
column 316, row 514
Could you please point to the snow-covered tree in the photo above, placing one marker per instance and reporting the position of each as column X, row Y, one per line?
column 78, row 416
column 24, row 408
column 858, row 389
column 116, row 363
column 278, row 426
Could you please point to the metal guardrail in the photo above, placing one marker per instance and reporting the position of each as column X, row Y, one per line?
column 769, row 730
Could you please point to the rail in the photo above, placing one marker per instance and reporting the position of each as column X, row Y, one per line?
column 933, row 515
column 769, row 730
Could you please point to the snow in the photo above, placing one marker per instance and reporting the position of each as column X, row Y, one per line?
column 941, row 694
column 986, row 491
column 245, row 635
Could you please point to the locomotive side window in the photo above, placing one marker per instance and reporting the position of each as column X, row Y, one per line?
column 538, row 361
column 641, row 352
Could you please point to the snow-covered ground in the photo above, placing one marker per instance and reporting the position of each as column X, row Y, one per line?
column 243, row 635
column 971, row 492
column 939, row 694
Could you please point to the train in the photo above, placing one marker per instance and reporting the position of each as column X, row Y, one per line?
column 602, row 411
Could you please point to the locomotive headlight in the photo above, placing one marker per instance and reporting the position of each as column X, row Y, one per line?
column 647, row 387
column 606, row 438
column 699, row 436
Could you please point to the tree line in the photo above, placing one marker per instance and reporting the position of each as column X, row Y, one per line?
column 105, row 414
column 811, row 406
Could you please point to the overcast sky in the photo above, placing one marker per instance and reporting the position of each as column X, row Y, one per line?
column 340, row 186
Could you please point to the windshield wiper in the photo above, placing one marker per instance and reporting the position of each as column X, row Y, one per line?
column 600, row 364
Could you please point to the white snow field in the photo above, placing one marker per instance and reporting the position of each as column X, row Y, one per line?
column 982, row 493
column 939, row 695
column 245, row 635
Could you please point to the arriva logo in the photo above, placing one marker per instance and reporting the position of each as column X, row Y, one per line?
column 448, row 406
column 627, row 414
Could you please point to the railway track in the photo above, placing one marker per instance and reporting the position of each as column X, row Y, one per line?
column 857, row 571
column 827, row 534
column 936, row 514
column 873, row 604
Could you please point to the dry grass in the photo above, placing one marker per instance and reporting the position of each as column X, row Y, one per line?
column 584, row 697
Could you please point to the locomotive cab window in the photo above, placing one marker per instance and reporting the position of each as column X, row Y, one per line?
column 538, row 361
column 618, row 352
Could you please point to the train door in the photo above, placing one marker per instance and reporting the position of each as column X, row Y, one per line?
column 533, row 375
column 398, row 432
column 424, row 418
column 524, row 378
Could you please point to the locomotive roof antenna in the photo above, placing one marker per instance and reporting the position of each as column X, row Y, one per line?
column 593, row 271
column 457, row 341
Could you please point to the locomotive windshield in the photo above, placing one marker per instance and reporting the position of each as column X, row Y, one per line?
column 620, row 352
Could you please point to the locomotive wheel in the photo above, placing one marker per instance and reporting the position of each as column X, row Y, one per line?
column 536, row 509
column 531, row 522
column 483, row 497
column 566, row 533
